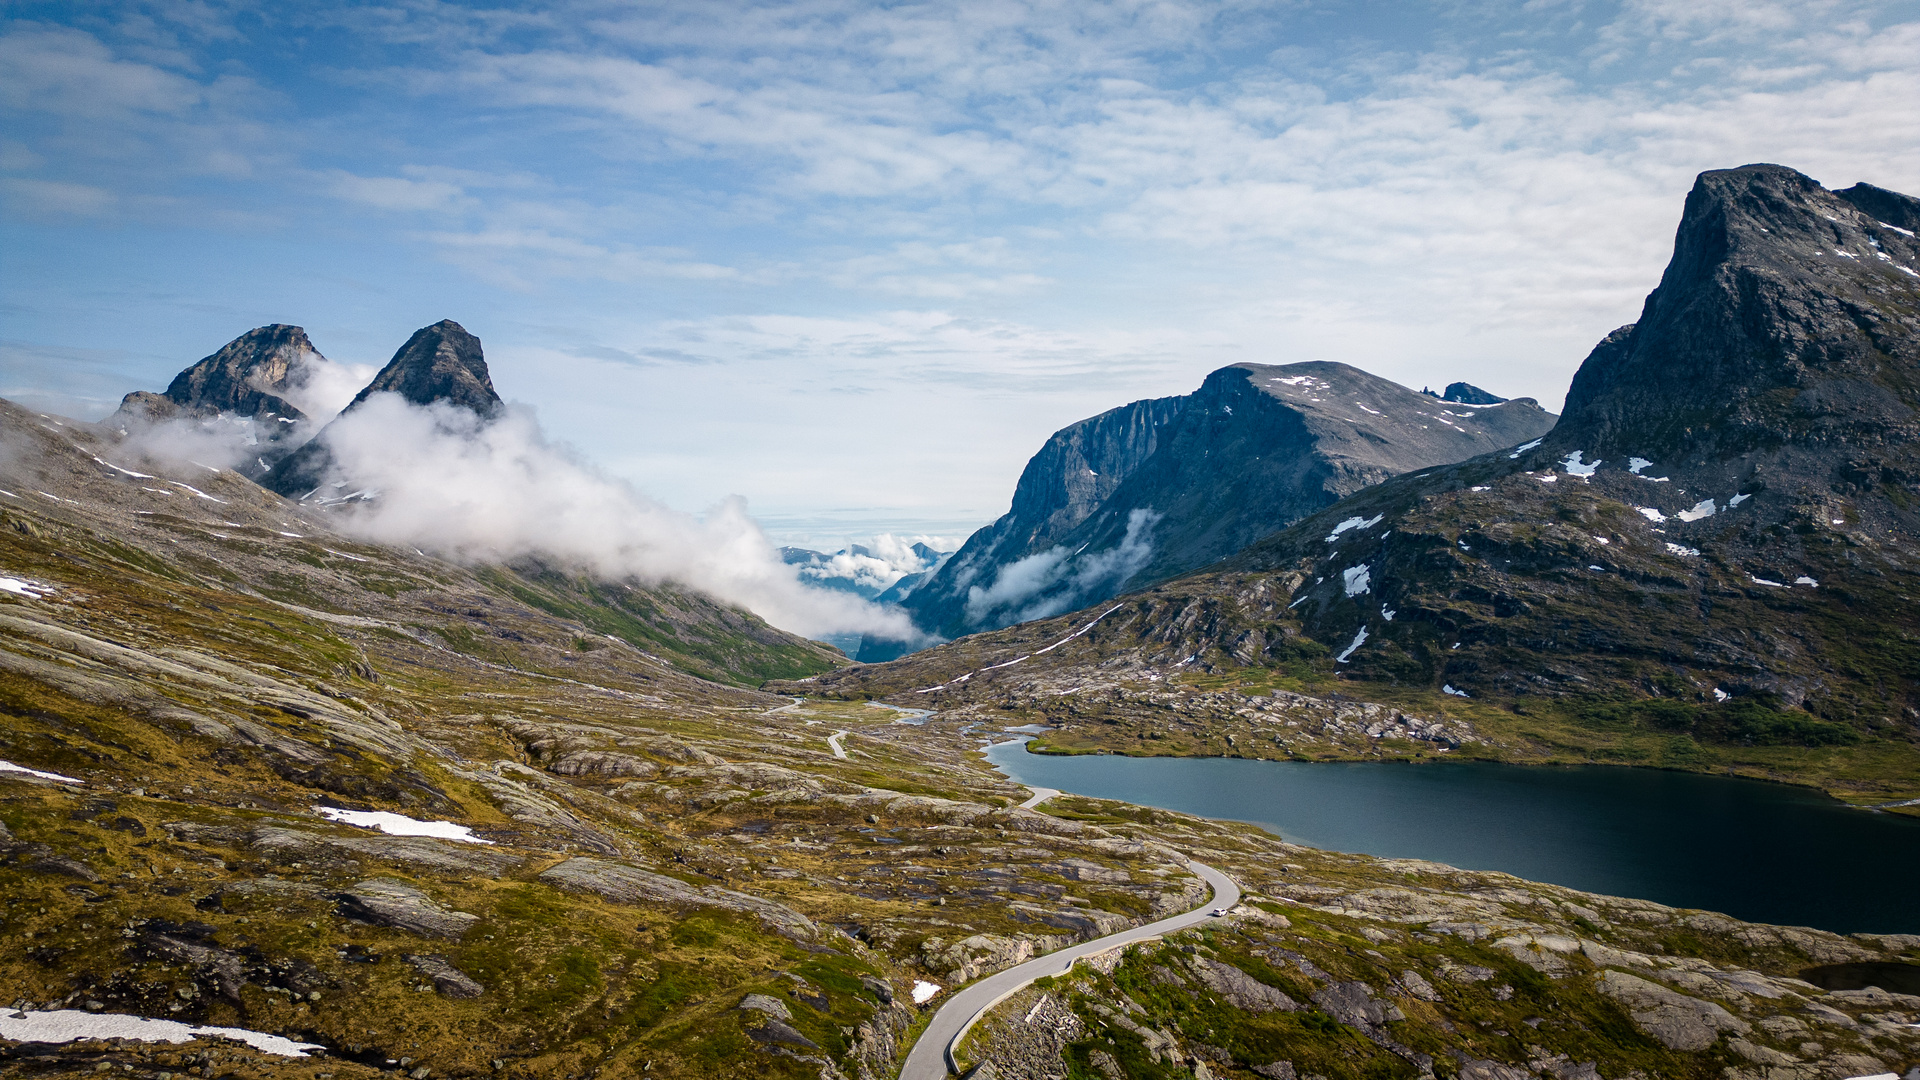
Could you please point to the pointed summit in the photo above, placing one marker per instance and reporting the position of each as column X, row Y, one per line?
column 245, row 378
column 438, row 363
column 1786, row 313
column 441, row 362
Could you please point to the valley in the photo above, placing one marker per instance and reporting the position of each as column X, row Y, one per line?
column 342, row 790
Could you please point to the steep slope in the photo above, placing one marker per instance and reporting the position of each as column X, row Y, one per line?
column 1161, row 487
column 439, row 363
column 1709, row 563
column 241, row 384
column 257, row 776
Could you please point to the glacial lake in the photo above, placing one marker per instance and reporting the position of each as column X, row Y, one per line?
column 1757, row 851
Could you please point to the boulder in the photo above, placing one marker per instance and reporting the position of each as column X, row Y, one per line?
column 448, row 979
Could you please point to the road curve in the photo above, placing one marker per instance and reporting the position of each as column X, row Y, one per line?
column 932, row 1055
column 1040, row 795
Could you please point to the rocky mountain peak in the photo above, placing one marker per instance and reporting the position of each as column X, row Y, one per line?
column 1788, row 312
column 1465, row 393
column 442, row 362
column 246, row 377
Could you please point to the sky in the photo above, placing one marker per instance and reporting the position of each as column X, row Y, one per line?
column 854, row 262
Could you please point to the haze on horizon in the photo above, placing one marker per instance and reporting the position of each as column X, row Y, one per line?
column 855, row 262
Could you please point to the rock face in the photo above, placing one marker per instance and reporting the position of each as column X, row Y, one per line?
column 244, row 378
column 439, row 363
column 1782, row 331
column 1162, row 487
column 240, row 384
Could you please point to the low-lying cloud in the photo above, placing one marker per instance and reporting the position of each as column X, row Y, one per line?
column 1056, row 580
column 442, row 479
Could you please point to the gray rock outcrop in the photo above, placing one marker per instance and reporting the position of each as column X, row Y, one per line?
column 628, row 884
column 385, row 902
column 1679, row 1022
column 448, row 979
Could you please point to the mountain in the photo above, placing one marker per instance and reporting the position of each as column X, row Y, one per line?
column 1710, row 562
column 439, row 363
column 241, row 385
column 268, row 785
column 1161, row 487
column 1464, row 393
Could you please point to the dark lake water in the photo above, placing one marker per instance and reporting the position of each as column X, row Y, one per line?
column 1757, row 851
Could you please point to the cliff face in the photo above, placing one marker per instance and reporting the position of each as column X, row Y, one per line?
column 1778, row 353
column 1160, row 487
column 439, row 363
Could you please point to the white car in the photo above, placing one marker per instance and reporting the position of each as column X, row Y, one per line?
column 1217, row 912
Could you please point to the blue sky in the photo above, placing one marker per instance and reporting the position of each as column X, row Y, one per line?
column 856, row 261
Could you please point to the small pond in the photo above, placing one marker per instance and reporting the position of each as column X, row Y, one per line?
column 1757, row 851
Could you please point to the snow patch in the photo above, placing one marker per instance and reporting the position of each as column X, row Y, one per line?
column 1895, row 228
column 399, row 824
column 124, row 472
column 924, row 991
column 1551, row 477
column 1359, row 639
column 196, row 491
column 1482, row 487
column 1764, row 581
column 1682, row 549
column 1387, row 615
column 69, row 1025
column 1651, row 514
column 32, row 590
column 1701, row 509
column 1602, row 540
column 1358, row 579
column 1737, row 500
column 1449, row 688
column 1720, row 695
column 1354, row 523
column 1803, row 579
column 1635, row 464
column 1576, row 464
column 1524, row 447
column 10, row 767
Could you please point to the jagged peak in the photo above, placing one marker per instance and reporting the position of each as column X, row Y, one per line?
column 1775, row 285
column 244, row 377
column 442, row 362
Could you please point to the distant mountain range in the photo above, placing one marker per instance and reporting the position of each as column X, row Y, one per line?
column 1712, row 559
column 1164, row 486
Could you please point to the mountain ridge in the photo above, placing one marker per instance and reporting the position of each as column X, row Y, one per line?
column 1163, row 486
column 1727, row 584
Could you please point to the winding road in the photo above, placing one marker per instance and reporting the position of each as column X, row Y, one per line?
column 932, row 1055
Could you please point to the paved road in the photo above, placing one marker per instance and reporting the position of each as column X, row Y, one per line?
column 833, row 743
column 1040, row 795
column 932, row 1056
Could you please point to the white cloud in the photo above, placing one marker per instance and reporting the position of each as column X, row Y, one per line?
column 494, row 491
column 1056, row 580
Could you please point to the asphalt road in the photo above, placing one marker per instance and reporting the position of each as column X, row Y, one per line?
column 932, row 1056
